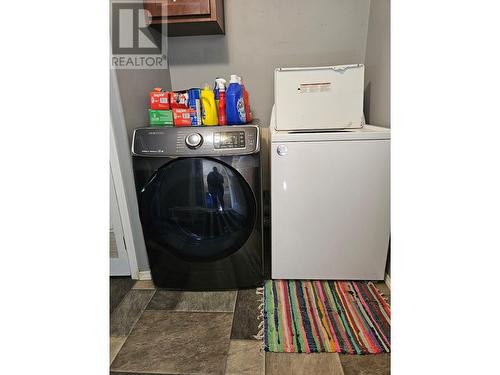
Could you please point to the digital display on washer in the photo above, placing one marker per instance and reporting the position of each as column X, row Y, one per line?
column 229, row 140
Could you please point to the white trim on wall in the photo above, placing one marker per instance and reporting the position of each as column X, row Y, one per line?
column 121, row 166
column 119, row 265
column 122, row 205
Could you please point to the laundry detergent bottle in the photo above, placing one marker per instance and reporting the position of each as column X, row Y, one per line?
column 235, row 105
column 246, row 101
column 216, row 90
column 221, row 103
column 219, row 82
column 209, row 109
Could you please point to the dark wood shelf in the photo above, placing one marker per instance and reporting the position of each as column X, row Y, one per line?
column 187, row 17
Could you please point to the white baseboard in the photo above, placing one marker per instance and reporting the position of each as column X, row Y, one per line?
column 388, row 281
column 144, row 275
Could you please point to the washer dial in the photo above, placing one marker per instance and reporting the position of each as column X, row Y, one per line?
column 194, row 140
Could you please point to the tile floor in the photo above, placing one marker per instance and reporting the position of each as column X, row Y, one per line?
column 155, row 331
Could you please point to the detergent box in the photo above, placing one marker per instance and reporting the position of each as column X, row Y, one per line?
column 159, row 99
column 182, row 116
column 160, row 117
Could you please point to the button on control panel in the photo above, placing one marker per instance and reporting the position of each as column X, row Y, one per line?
column 231, row 139
column 194, row 140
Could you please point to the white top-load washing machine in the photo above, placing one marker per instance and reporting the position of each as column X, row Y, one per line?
column 330, row 190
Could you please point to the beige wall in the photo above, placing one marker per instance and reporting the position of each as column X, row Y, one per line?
column 378, row 70
column 378, row 65
column 135, row 85
column 262, row 35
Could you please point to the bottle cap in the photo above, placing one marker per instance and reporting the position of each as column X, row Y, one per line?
column 221, row 84
column 234, row 78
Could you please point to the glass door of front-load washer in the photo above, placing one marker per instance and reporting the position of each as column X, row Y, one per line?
column 198, row 209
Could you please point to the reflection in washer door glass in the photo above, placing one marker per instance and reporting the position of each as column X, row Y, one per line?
column 199, row 208
column 221, row 188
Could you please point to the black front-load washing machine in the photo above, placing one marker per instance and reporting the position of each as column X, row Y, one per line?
column 199, row 195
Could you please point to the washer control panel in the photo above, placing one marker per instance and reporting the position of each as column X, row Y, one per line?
column 230, row 139
column 196, row 141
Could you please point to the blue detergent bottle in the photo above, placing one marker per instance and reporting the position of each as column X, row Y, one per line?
column 235, row 104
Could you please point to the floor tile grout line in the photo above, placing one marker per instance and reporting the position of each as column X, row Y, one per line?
column 192, row 311
column 121, row 346
column 183, row 310
column 142, row 312
column 150, row 373
column 132, row 328
column 231, row 330
column 234, row 314
column 121, row 301
column 340, row 364
column 234, row 302
column 146, row 305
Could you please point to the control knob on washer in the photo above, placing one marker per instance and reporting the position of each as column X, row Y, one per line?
column 194, row 140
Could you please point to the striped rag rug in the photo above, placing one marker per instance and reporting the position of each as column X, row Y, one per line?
column 325, row 316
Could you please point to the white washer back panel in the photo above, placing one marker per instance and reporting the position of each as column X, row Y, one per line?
column 330, row 209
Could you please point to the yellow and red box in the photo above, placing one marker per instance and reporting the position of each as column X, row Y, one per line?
column 159, row 99
column 182, row 117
